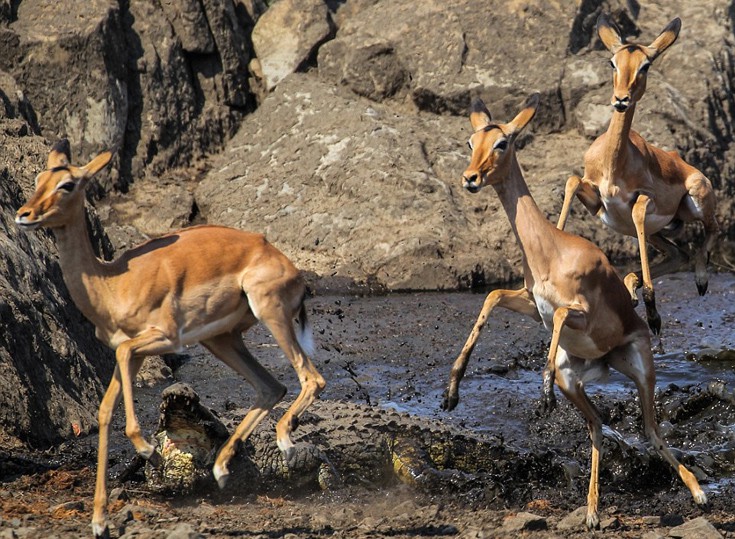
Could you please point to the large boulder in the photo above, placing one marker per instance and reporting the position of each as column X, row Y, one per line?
column 349, row 188
column 443, row 54
column 70, row 69
column 352, row 182
column 52, row 368
column 286, row 36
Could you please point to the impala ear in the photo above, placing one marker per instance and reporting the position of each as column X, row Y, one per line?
column 522, row 118
column 609, row 33
column 60, row 155
column 666, row 38
column 96, row 164
column 479, row 115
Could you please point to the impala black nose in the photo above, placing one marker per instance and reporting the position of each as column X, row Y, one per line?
column 621, row 104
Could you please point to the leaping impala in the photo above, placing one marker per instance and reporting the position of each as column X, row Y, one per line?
column 573, row 289
column 635, row 187
column 204, row 284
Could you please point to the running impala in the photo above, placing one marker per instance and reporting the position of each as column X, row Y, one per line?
column 636, row 188
column 571, row 287
column 206, row 284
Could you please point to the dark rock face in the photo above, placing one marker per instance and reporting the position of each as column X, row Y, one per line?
column 159, row 83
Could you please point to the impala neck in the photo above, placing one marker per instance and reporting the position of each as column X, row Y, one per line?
column 83, row 272
column 618, row 138
column 528, row 222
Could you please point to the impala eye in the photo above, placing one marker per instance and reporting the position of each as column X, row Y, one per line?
column 66, row 186
column 644, row 69
column 501, row 145
column 612, row 64
column 469, row 144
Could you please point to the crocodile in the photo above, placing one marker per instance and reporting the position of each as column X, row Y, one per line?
column 345, row 443
column 339, row 443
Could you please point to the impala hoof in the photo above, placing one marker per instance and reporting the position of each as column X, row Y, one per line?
column 654, row 322
column 700, row 498
column 221, row 475
column 100, row 531
column 593, row 521
column 156, row 460
column 449, row 401
column 702, row 287
column 547, row 403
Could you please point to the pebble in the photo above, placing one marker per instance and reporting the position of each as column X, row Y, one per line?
column 74, row 505
column 574, row 520
column 524, row 522
column 118, row 493
column 698, row 528
column 184, row 531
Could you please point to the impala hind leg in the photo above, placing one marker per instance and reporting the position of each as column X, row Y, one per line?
column 640, row 209
column 520, row 301
column 232, row 351
column 571, row 385
column 699, row 204
column 275, row 309
column 636, row 362
column 575, row 318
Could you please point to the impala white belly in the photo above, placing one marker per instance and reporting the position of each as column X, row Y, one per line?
column 576, row 342
column 618, row 216
column 185, row 336
column 198, row 333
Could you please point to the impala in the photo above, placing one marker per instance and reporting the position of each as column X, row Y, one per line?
column 571, row 287
column 636, row 188
column 204, row 284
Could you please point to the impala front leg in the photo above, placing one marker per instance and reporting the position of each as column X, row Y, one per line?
column 520, row 301
column 640, row 208
column 585, row 191
column 575, row 318
column 107, row 406
column 130, row 356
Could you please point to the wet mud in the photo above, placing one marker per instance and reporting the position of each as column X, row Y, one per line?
column 391, row 355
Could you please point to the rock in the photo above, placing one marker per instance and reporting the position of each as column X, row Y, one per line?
column 370, row 67
column 60, row 58
column 156, row 83
column 671, row 520
column 286, row 36
column 118, row 493
column 445, row 69
column 655, row 534
column 698, row 528
column 574, row 520
column 154, row 371
column 190, row 24
column 66, row 507
column 357, row 202
column 524, row 522
column 610, row 523
column 184, row 531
